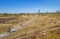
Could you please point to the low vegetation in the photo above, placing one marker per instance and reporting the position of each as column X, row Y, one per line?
column 45, row 26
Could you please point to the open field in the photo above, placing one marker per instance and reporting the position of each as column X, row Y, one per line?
column 11, row 21
column 44, row 26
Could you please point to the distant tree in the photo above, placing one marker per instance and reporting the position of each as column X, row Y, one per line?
column 39, row 11
column 47, row 11
column 5, row 13
column 57, row 11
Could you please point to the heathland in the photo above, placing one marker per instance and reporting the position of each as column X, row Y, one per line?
column 38, row 26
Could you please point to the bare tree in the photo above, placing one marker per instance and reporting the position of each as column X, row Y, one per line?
column 47, row 11
column 57, row 11
column 39, row 11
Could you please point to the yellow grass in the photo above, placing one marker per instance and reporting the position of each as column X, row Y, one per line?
column 40, row 28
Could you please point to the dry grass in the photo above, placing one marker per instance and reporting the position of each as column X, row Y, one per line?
column 45, row 26
column 11, row 21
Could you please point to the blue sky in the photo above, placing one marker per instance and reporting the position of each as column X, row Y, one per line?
column 28, row 6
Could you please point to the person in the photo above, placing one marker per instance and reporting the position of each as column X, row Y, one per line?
column 9, row 30
column 21, row 24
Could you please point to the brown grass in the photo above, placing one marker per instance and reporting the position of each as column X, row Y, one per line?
column 40, row 28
